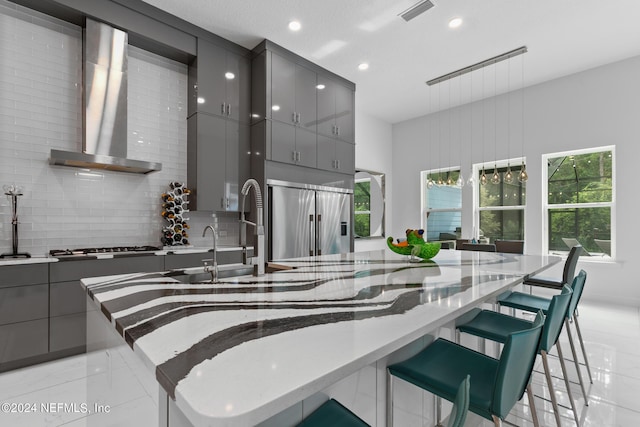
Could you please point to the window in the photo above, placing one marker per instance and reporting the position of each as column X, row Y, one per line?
column 580, row 201
column 442, row 205
column 500, row 206
column 368, row 199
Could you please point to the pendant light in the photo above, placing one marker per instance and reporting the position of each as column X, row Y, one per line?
column 522, row 175
column 472, row 180
column 430, row 182
column 495, row 178
column 483, row 177
column 460, row 180
column 508, row 176
column 449, row 180
column 440, row 182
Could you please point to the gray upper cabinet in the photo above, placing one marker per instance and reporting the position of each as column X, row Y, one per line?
column 293, row 93
column 335, row 155
column 293, row 145
column 335, row 109
column 219, row 82
column 218, row 158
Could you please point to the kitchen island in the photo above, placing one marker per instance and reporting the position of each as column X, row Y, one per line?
column 245, row 349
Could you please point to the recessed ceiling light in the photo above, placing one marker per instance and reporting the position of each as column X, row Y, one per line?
column 363, row 66
column 229, row 75
column 320, row 86
column 275, row 108
column 295, row 25
column 455, row 22
column 201, row 100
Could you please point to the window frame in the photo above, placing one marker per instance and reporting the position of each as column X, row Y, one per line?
column 546, row 206
column 488, row 167
column 423, row 195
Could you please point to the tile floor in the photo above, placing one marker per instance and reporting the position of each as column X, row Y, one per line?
column 612, row 336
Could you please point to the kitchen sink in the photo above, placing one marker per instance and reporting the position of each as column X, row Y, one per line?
column 198, row 275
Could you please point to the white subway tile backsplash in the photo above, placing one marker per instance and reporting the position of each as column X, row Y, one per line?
column 41, row 109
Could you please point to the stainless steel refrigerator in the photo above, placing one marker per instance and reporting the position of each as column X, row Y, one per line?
column 306, row 220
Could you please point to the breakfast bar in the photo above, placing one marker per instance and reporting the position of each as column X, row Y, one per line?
column 244, row 349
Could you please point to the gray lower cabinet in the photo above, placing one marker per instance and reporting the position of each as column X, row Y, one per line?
column 290, row 144
column 218, row 162
column 23, row 340
column 67, row 303
column 335, row 155
column 24, row 312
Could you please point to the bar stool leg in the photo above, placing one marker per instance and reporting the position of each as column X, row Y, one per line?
column 554, row 402
column 575, row 360
column 497, row 422
column 532, row 405
column 438, row 411
column 567, row 384
column 389, row 399
column 584, row 352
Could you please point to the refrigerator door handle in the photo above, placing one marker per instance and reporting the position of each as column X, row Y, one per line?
column 318, row 243
column 311, row 235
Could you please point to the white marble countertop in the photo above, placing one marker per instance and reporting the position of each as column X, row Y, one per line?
column 239, row 351
column 23, row 261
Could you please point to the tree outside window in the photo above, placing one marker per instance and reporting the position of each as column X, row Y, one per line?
column 580, row 200
column 501, row 206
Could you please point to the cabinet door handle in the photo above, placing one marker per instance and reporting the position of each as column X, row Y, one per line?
column 222, row 202
column 311, row 242
column 338, row 130
column 228, row 204
column 224, row 108
column 228, row 109
column 294, row 156
column 319, row 242
column 293, row 117
column 298, row 118
column 299, row 156
column 338, row 162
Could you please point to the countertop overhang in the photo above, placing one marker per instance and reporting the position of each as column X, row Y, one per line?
column 241, row 350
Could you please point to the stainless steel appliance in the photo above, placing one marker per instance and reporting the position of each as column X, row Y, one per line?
column 307, row 220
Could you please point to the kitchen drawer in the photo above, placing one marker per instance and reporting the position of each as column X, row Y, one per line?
column 67, row 298
column 66, row 271
column 24, row 339
column 22, row 303
column 30, row 274
column 67, row 332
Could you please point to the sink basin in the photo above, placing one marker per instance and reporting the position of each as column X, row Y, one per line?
column 198, row 275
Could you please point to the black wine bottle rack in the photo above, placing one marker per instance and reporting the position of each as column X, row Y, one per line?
column 174, row 209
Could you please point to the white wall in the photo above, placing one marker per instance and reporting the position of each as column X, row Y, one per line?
column 594, row 108
column 373, row 153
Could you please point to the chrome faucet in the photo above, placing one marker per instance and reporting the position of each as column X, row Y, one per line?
column 213, row 268
column 258, row 250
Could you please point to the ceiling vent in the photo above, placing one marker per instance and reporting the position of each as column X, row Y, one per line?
column 415, row 10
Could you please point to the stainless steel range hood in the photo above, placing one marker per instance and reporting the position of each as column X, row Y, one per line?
column 104, row 145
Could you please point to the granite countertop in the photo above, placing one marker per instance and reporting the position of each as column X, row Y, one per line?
column 241, row 350
column 37, row 259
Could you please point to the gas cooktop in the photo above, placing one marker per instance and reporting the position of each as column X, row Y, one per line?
column 94, row 251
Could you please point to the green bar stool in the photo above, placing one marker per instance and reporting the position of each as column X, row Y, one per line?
column 332, row 413
column 532, row 303
column 495, row 326
column 497, row 383
column 460, row 404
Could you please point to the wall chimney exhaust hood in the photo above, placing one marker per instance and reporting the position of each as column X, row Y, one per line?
column 104, row 145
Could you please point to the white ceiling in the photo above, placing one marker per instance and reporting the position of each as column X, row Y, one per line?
column 563, row 37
